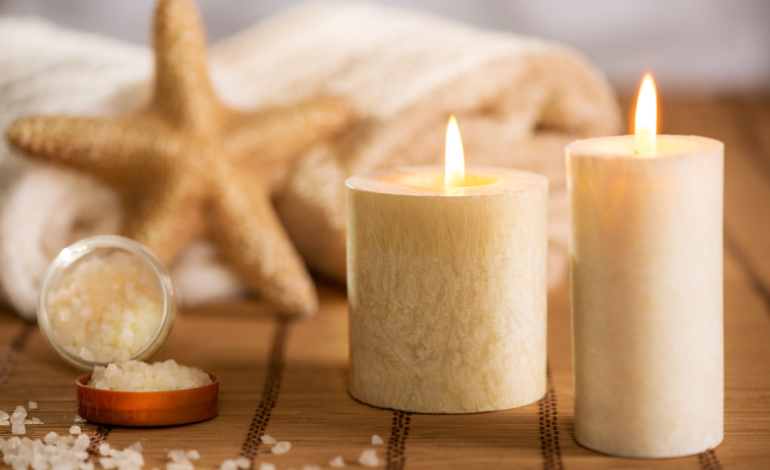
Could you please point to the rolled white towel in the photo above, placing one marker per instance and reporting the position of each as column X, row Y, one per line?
column 518, row 100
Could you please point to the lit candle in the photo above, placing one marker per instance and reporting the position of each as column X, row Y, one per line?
column 447, row 287
column 646, row 274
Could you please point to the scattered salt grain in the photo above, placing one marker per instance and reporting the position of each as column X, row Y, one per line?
column 267, row 440
column 228, row 464
column 32, row 405
column 17, row 420
column 311, row 467
column 337, row 462
column 126, row 459
column 78, row 419
column 181, row 460
column 377, row 440
column 106, row 308
column 33, row 421
column 137, row 376
column 4, row 415
column 75, row 430
column 104, row 448
column 369, row 458
column 137, row 446
column 18, row 428
column 5, row 422
column 243, row 463
column 266, row 466
column 193, row 455
column 55, row 452
column 281, row 448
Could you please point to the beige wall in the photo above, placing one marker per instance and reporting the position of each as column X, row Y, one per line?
column 692, row 46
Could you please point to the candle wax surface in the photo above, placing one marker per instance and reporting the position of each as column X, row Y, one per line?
column 447, row 289
column 646, row 288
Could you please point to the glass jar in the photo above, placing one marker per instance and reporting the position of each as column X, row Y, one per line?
column 91, row 259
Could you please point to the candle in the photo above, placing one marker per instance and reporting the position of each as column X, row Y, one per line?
column 646, row 274
column 447, row 287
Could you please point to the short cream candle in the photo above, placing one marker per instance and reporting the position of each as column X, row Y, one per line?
column 447, row 289
column 646, row 274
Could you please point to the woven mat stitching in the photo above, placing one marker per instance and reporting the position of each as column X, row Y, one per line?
column 269, row 392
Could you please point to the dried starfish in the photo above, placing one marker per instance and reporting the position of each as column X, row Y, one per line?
column 188, row 167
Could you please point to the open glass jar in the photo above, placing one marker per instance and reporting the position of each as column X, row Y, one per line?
column 105, row 299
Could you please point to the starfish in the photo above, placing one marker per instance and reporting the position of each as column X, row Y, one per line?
column 188, row 167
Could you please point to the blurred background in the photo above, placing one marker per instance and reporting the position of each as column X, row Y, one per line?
column 695, row 48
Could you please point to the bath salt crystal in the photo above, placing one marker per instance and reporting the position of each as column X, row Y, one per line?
column 138, row 376
column 266, row 466
column 126, row 459
column 281, row 448
column 100, row 384
column 369, row 458
column 107, row 307
column 32, row 405
column 54, row 452
column 81, row 443
column 17, row 420
column 377, row 440
column 78, row 419
column 33, row 421
column 75, row 430
column 5, row 422
column 86, row 354
column 243, row 463
column 311, row 467
column 19, row 414
column 18, row 428
column 4, row 415
column 337, row 462
column 193, row 455
column 137, row 446
column 267, row 440
column 180, row 460
column 104, row 448
column 228, row 464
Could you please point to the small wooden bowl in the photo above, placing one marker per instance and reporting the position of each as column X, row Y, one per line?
column 147, row 408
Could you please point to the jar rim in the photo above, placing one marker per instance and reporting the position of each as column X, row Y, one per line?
column 71, row 254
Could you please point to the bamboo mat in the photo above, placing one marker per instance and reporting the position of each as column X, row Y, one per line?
column 288, row 379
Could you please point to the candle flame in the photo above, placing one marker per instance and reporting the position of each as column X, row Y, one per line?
column 646, row 118
column 454, row 169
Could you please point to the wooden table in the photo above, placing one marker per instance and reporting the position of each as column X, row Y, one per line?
column 289, row 379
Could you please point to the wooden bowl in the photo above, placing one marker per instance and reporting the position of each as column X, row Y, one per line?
column 147, row 408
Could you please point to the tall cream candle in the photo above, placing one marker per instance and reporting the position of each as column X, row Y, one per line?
column 646, row 273
column 447, row 289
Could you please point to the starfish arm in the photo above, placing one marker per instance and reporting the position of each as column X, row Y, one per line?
column 281, row 133
column 251, row 238
column 183, row 93
column 166, row 218
column 106, row 147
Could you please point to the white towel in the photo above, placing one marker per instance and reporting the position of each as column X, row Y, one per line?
column 518, row 100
